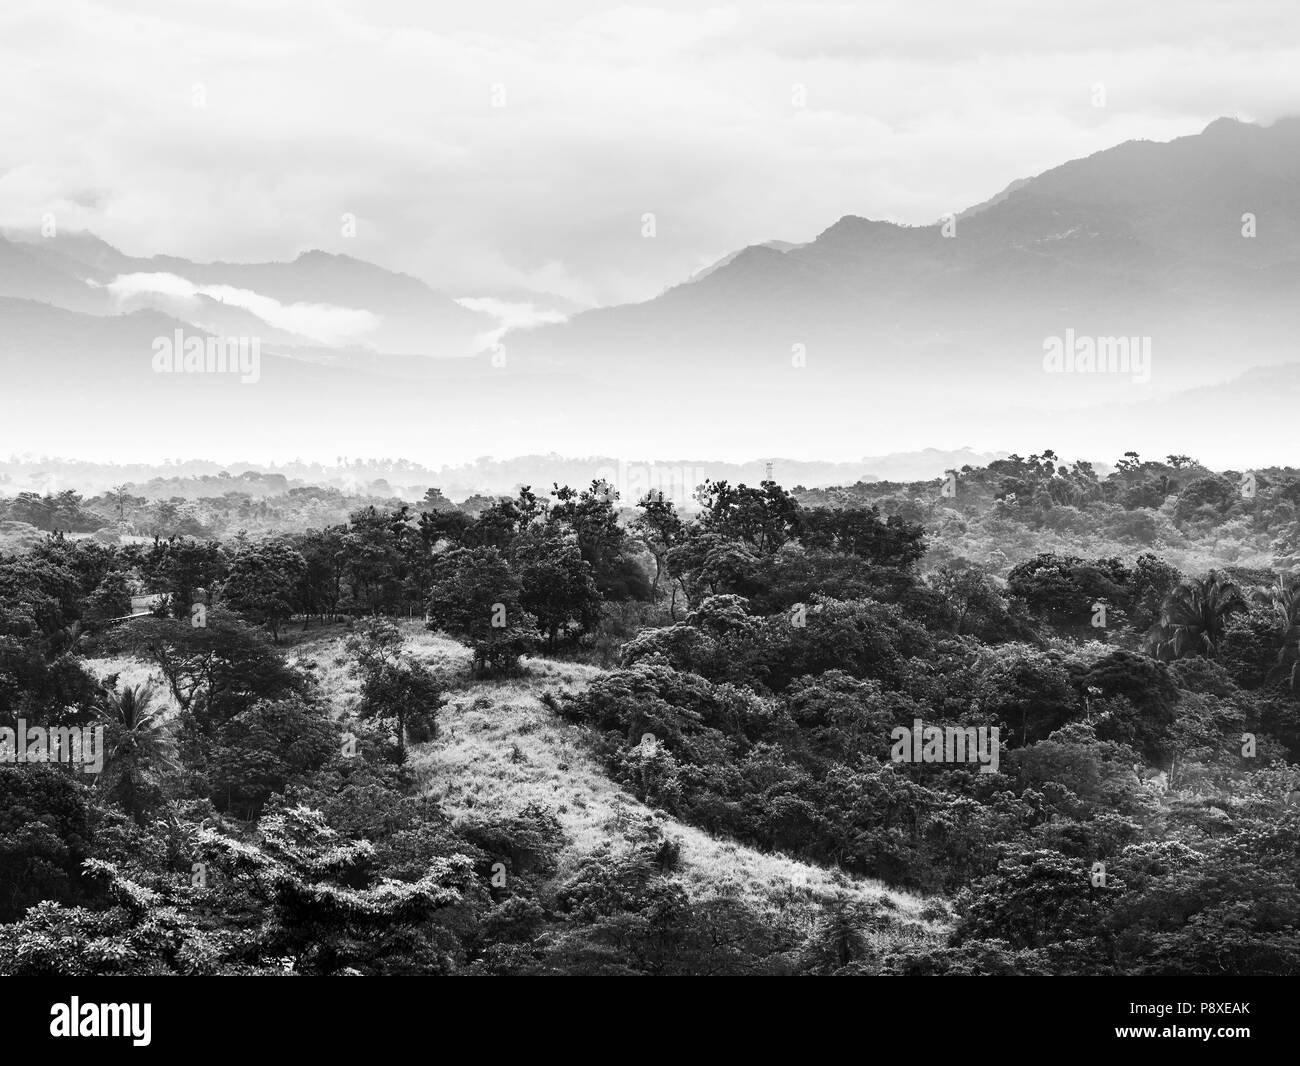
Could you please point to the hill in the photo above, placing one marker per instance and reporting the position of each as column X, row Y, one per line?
column 500, row 749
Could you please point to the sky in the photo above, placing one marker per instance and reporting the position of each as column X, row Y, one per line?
column 497, row 149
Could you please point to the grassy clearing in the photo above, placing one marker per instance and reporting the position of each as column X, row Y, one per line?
column 131, row 671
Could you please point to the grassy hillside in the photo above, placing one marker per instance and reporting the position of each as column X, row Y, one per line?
column 500, row 749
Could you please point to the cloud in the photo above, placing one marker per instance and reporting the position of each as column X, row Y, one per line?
column 510, row 315
column 384, row 109
column 325, row 323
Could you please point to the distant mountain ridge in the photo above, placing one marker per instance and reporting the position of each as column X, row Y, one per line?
column 1144, row 238
column 76, row 270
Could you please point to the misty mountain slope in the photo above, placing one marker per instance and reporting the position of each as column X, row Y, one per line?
column 413, row 317
column 72, row 270
column 1144, row 239
column 776, row 246
column 995, row 199
column 54, row 279
column 500, row 749
column 220, row 318
column 1184, row 196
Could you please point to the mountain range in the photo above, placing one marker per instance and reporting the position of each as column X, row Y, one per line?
column 873, row 337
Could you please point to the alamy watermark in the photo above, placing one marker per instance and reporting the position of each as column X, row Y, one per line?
column 74, row 1018
column 948, row 744
column 632, row 481
column 74, row 745
column 179, row 354
column 1073, row 354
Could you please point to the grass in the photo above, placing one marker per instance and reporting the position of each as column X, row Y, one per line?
column 131, row 672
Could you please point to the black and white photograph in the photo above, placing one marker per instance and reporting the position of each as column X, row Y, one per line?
column 651, row 489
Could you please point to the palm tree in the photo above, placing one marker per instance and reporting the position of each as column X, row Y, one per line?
column 842, row 936
column 137, row 749
column 1195, row 615
column 1282, row 600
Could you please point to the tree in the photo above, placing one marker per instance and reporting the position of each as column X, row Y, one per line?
column 295, row 894
column 320, row 589
column 40, row 678
column 660, row 528
column 439, row 526
column 327, row 910
column 45, row 835
column 138, row 751
column 262, row 750
column 372, row 550
column 841, row 942
column 1195, row 616
column 592, row 519
column 60, row 512
column 179, row 567
column 1025, row 689
column 498, row 525
column 1036, row 899
column 1282, row 601
column 860, row 532
column 976, row 603
column 1145, row 714
column 120, row 496
column 394, row 687
column 434, row 500
column 1062, row 589
column 476, row 599
column 1152, row 582
column 841, row 718
column 709, row 564
column 1207, row 497
column 861, row 637
column 213, row 671
column 556, row 586
column 111, row 598
column 764, row 517
column 263, row 583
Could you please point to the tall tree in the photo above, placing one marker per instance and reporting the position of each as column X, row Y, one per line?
column 263, row 583
column 138, row 751
column 476, row 599
column 660, row 528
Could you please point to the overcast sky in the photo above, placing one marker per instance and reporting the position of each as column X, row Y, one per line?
column 384, row 109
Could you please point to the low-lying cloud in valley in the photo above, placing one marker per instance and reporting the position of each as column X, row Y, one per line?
column 319, row 322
